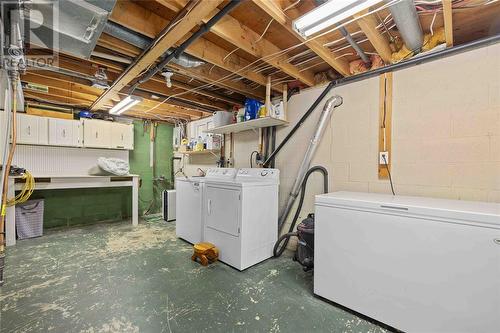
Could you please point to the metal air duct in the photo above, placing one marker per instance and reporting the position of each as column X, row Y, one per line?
column 71, row 26
column 143, row 42
column 408, row 24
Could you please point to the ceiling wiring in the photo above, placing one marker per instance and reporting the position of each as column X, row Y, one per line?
column 279, row 53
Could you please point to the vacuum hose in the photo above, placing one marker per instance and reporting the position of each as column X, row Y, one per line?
column 278, row 250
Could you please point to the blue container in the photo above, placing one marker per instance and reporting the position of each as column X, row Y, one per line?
column 251, row 108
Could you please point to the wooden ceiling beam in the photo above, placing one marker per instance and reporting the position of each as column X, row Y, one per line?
column 136, row 18
column 192, row 18
column 368, row 25
column 273, row 8
column 175, row 83
column 86, row 95
column 251, row 42
column 88, row 68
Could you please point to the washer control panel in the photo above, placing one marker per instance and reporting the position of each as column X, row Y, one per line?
column 258, row 174
column 226, row 173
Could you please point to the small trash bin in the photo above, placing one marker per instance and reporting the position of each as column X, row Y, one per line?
column 29, row 219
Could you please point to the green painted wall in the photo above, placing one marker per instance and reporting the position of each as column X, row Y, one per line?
column 86, row 206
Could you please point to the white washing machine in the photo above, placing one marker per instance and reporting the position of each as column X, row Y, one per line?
column 189, row 221
column 241, row 216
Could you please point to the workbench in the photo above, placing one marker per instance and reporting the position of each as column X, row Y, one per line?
column 54, row 182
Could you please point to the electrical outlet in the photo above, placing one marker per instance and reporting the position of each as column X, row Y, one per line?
column 229, row 162
column 383, row 157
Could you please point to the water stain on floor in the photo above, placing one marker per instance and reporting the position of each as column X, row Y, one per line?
column 117, row 278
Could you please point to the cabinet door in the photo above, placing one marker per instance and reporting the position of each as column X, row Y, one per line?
column 60, row 132
column 27, row 129
column 43, row 130
column 77, row 133
column 128, row 136
column 96, row 133
column 122, row 136
column 118, row 136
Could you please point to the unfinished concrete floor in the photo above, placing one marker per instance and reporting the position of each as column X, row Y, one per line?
column 115, row 278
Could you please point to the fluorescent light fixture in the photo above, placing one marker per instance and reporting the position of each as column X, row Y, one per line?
column 328, row 14
column 125, row 104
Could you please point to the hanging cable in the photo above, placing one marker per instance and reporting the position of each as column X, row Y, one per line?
column 272, row 56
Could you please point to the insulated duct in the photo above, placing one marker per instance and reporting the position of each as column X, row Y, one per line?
column 407, row 21
column 143, row 42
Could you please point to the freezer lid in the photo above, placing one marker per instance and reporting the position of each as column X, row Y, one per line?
column 464, row 211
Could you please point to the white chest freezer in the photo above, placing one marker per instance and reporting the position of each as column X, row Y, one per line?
column 416, row 264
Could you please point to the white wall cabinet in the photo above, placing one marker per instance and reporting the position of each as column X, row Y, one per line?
column 91, row 133
column 122, row 136
column 96, row 133
column 32, row 130
column 65, row 132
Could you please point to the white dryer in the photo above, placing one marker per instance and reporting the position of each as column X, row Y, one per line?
column 189, row 219
column 241, row 216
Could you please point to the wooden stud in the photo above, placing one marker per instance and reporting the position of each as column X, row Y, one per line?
column 385, row 122
column 268, row 96
column 448, row 22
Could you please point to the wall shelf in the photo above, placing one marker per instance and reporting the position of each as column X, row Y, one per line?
column 247, row 125
column 214, row 152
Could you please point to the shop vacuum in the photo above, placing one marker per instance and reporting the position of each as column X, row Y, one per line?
column 304, row 253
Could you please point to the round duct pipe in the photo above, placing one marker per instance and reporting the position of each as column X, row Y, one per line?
column 143, row 42
column 408, row 24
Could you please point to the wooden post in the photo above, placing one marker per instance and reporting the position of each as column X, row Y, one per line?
column 385, row 123
column 448, row 22
column 268, row 96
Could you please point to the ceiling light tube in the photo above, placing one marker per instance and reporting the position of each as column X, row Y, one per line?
column 125, row 104
column 328, row 14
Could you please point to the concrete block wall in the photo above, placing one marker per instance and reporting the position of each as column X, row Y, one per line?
column 446, row 133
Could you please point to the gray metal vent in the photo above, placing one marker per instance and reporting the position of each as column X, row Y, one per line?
column 71, row 26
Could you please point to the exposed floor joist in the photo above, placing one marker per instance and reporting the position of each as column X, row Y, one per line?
column 274, row 9
column 134, row 51
column 84, row 67
column 60, row 91
column 253, row 43
column 368, row 25
column 192, row 18
column 140, row 20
